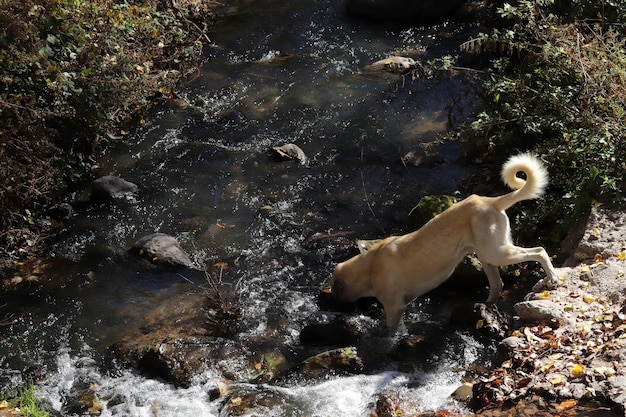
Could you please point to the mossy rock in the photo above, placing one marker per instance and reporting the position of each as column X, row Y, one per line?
column 427, row 208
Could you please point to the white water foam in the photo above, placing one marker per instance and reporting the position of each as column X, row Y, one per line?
column 131, row 395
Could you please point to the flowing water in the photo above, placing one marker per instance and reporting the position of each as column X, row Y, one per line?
column 291, row 70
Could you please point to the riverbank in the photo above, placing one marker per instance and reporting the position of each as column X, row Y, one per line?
column 74, row 75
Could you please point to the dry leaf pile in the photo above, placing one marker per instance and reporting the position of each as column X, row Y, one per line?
column 578, row 354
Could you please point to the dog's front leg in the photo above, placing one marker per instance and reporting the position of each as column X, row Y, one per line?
column 394, row 307
column 495, row 281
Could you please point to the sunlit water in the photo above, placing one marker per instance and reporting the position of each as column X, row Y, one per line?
column 293, row 71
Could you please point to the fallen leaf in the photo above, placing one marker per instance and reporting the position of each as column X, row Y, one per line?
column 578, row 371
column 566, row 405
column 606, row 371
column 95, row 407
column 588, row 298
column 4, row 404
column 622, row 256
column 557, row 379
column 585, row 268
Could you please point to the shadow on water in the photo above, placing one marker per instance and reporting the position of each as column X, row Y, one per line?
column 283, row 72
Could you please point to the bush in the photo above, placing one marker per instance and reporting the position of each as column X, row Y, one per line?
column 556, row 85
column 73, row 72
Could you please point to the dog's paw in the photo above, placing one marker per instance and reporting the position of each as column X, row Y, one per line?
column 545, row 284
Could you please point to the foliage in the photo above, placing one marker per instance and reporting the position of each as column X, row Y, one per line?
column 73, row 73
column 556, row 85
column 29, row 404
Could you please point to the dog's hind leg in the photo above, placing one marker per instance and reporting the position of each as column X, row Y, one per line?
column 495, row 281
column 511, row 254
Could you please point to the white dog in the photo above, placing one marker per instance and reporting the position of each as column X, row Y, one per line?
column 401, row 268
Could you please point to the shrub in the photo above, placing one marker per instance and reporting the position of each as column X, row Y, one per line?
column 74, row 71
column 556, row 85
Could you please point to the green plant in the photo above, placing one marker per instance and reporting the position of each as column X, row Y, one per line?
column 73, row 73
column 556, row 85
column 29, row 404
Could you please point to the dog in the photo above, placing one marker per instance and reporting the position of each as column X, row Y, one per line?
column 401, row 268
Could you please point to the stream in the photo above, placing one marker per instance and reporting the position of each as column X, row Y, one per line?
column 281, row 71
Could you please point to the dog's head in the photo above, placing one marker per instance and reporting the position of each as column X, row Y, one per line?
column 349, row 283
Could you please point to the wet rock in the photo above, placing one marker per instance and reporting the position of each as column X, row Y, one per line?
column 403, row 10
column 485, row 318
column 81, row 400
column 110, row 188
column 164, row 250
column 336, row 333
column 427, row 208
column 271, row 366
column 393, row 64
column 463, row 393
column 174, row 341
column 343, row 360
column 290, row 151
column 533, row 311
column 253, row 400
column 335, row 245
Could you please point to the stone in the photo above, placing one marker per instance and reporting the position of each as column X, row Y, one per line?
column 393, row 64
column 604, row 235
column 342, row 360
column 110, row 188
column 538, row 310
column 509, row 345
column 163, row 250
column 290, row 151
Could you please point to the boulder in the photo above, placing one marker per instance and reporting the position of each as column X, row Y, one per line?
column 113, row 189
column 604, row 235
column 163, row 250
column 538, row 310
column 403, row 11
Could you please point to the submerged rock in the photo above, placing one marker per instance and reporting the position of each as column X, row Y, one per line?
column 110, row 188
column 164, row 250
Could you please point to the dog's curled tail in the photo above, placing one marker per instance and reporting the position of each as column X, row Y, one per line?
column 532, row 187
